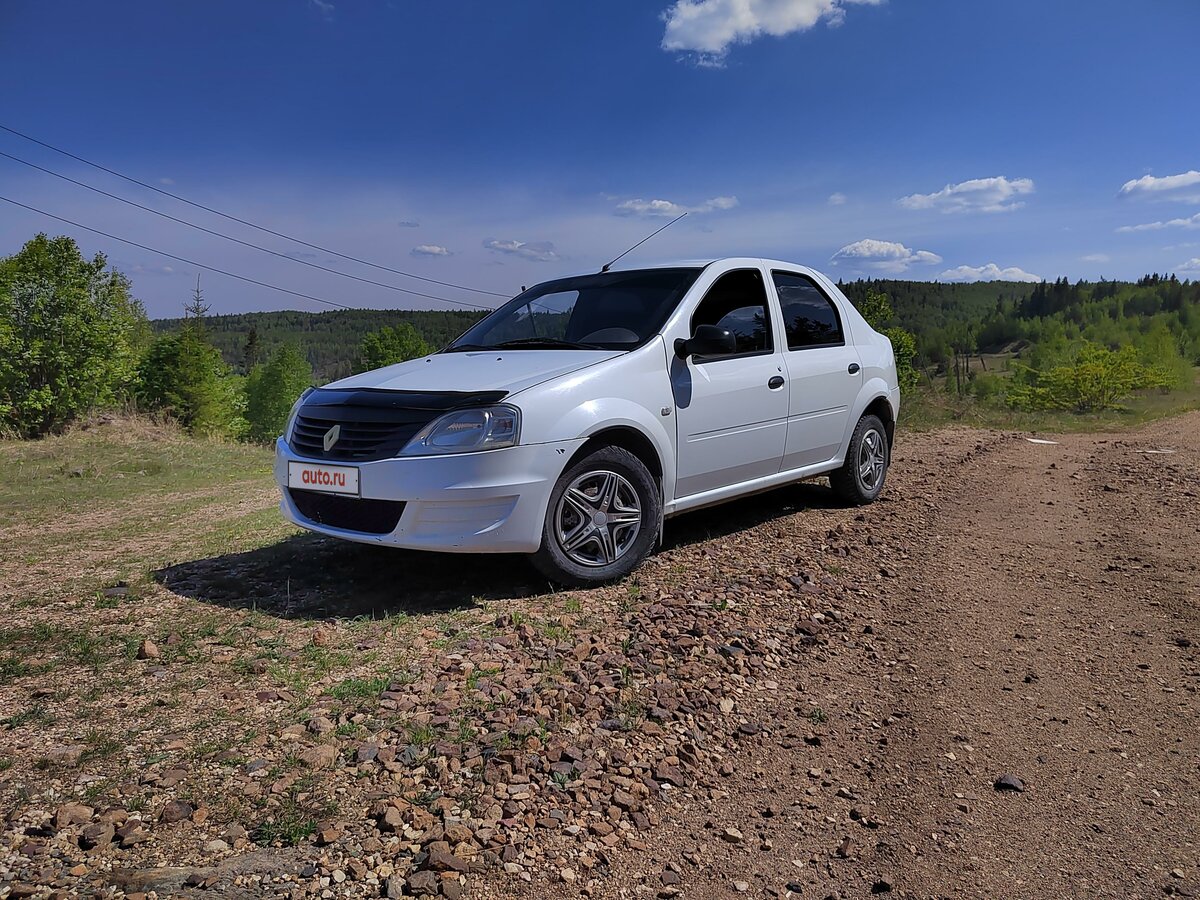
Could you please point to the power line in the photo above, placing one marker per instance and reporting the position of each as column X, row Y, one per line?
column 190, row 262
column 249, row 224
column 303, row 262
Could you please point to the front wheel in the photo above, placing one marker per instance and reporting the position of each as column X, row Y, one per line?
column 861, row 477
column 602, row 520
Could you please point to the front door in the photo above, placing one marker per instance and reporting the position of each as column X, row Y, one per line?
column 732, row 410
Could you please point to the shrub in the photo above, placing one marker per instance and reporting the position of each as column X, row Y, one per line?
column 1095, row 379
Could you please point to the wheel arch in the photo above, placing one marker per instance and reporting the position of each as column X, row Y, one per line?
column 881, row 408
column 627, row 438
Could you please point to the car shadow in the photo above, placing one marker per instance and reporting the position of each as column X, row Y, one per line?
column 738, row 515
column 309, row 576
column 312, row 576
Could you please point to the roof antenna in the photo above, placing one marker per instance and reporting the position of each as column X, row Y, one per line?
column 608, row 266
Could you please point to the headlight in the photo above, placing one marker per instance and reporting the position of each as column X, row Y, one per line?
column 291, row 419
column 466, row 430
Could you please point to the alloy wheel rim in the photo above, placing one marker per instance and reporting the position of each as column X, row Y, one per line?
column 598, row 518
column 872, row 460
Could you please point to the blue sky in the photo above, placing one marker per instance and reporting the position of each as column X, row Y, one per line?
column 495, row 145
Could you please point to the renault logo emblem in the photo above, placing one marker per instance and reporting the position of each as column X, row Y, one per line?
column 331, row 437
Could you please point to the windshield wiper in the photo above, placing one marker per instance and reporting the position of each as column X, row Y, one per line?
column 457, row 347
column 545, row 343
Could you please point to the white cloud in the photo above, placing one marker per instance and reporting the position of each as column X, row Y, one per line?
column 1191, row 267
column 429, row 250
column 408, row 223
column 706, row 29
column 836, row 199
column 1096, row 258
column 668, row 209
column 143, row 269
column 885, row 256
column 323, row 7
column 979, row 194
column 990, row 272
column 538, row 251
column 167, row 181
column 1184, row 187
column 1190, row 222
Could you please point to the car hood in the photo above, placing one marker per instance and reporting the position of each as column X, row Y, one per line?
column 471, row 371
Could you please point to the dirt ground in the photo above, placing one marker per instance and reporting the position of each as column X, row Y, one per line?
column 1038, row 616
column 1009, row 608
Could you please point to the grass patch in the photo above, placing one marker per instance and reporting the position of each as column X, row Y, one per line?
column 927, row 408
column 100, row 745
column 359, row 688
column 288, row 827
column 35, row 715
column 12, row 668
column 421, row 735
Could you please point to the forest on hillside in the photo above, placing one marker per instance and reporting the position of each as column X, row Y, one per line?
column 945, row 318
column 993, row 317
column 331, row 341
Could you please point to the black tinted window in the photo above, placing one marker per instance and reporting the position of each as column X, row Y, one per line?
column 738, row 301
column 808, row 315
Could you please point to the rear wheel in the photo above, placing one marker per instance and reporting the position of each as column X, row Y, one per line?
column 602, row 519
column 861, row 477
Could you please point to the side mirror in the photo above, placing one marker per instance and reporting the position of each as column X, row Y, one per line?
column 709, row 340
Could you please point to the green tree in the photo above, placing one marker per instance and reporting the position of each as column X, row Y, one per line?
column 272, row 388
column 252, row 353
column 390, row 345
column 183, row 375
column 876, row 308
column 68, row 334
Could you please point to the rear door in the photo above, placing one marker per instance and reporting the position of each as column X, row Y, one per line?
column 732, row 410
column 823, row 370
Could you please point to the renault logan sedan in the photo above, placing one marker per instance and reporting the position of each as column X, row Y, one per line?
column 577, row 417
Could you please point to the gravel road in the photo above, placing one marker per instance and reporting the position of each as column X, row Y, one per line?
column 1033, row 613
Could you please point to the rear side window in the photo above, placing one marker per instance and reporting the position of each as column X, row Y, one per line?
column 738, row 301
column 809, row 317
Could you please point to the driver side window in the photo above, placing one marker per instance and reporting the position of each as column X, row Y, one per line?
column 738, row 302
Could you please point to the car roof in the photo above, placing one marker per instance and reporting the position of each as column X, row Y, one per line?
column 707, row 261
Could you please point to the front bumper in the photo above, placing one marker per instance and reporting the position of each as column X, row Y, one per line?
column 489, row 502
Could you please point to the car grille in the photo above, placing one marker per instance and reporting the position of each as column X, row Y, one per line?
column 356, row 440
column 350, row 513
column 373, row 424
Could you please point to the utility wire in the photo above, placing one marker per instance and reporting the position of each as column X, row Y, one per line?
column 190, row 262
column 303, row 262
column 249, row 224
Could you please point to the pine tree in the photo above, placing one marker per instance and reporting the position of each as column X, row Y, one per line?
column 252, row 351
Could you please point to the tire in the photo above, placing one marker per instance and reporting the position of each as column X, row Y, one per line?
column 576, row 552
column 861, row 478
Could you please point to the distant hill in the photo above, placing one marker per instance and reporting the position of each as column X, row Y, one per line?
column 982, row 316
column 330, row 339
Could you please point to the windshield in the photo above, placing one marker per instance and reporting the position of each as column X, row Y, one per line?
column 609, row 311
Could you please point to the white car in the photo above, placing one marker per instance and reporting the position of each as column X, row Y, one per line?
column 569, row 423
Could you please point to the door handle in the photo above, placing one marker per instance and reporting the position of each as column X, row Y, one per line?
column 854, row 368
column 775, row 383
